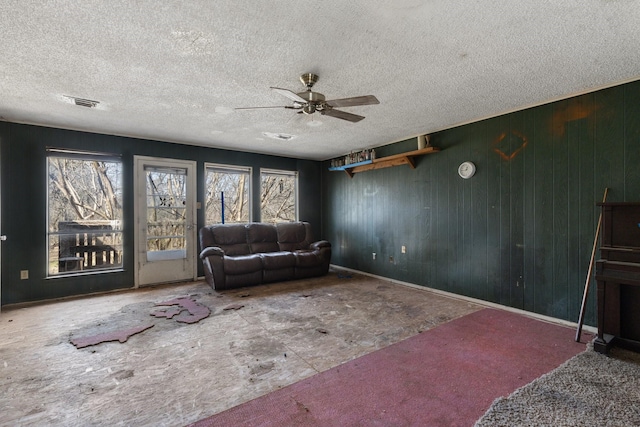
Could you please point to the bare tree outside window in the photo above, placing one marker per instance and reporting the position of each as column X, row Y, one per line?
column 84, row 214
column 166, row 209
column 231, row 184
column 278, row 196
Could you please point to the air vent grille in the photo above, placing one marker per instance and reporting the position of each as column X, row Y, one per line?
column 280, row 136
column 83, row 102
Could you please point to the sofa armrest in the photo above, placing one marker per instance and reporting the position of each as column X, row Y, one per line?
column 213, row 263
column 211, row 251
column 319, row 245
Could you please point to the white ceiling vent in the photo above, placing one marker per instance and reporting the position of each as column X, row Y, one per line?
column 82, row 102
column 280, row 136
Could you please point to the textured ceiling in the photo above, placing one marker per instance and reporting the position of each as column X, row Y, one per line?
column 175, row 70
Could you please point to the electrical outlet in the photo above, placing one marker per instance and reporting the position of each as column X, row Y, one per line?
column 24, row 274
column 374, row 255
column 404, row 249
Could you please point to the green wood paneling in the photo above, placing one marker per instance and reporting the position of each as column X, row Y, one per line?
column 632, row 141
column 493, row 169
column 527, row 126
column 477, row 259
column 517, row 178
column 560, row 193
column 543, row 213
column 520, row 231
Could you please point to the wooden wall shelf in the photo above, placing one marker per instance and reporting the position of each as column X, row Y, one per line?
column 386, row 162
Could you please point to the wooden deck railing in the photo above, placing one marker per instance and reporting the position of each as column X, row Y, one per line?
column 88, row 245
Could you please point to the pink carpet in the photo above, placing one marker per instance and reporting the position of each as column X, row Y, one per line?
column 446, row 376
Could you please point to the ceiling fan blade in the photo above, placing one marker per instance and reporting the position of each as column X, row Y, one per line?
column 352, row 102
column 292, row 96
column 275, row 106
column 342, row 115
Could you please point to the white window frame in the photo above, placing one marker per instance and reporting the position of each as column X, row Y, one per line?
column 219, row 167
column 288, row 174
column 76, row 267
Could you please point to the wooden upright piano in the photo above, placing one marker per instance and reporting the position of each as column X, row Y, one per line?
column 618, row 277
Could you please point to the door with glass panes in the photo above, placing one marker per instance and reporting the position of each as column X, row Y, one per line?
column 165, row 220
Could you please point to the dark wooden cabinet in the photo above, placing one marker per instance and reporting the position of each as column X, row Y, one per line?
column 618, row 277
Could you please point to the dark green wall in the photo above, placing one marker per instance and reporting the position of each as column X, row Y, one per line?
column 23, row 180
column 520, row 232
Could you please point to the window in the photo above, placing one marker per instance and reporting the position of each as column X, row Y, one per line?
column 228, row 191
column 166, row 212
column 84, row 212
column 278, row 196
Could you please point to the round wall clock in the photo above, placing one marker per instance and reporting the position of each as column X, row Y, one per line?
column 466, row 170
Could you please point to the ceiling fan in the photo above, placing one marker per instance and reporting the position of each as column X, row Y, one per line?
column 309, row 102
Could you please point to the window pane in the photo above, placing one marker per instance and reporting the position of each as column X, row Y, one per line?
column 166, row 214
column 85, row 215
column 278, row 196
column 229, row 185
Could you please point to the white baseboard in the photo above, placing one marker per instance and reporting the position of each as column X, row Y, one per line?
column 590, row 329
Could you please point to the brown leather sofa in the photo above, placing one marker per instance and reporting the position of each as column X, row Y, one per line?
column 237, row 255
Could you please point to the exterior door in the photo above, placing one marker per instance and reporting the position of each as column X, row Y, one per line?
column 165, row 220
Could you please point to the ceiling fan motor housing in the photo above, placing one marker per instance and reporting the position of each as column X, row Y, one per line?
column 315, row 101
column 311, row 96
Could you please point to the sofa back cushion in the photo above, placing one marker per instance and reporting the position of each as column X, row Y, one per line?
column 231, row 238
column 293, row 236
column 262, row 238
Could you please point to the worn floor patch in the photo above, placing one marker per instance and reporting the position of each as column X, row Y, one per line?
column 121, row 335
column 117, row 326
column 184, row 310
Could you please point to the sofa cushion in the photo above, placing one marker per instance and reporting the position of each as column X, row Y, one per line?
column 242, row 264
column 262, row 238
column 278, row 260
column 232, row 238
column 293, row 236
column 307, row 258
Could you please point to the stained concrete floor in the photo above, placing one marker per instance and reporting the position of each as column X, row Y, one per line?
column 174, row 374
